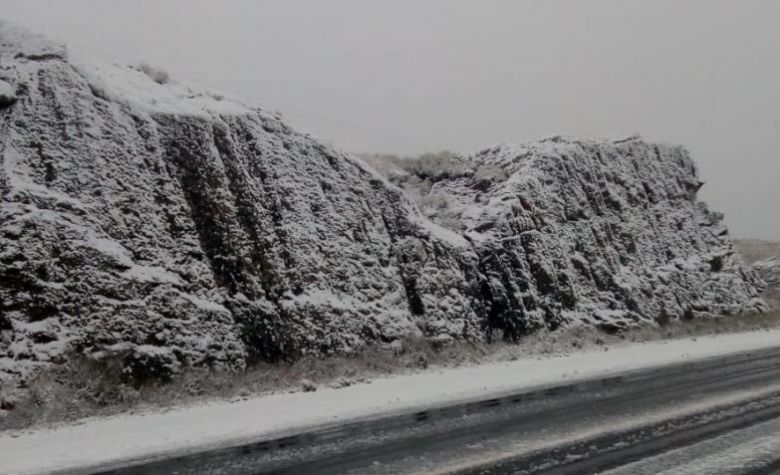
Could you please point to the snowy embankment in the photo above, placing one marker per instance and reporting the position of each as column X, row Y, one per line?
column 104, row 441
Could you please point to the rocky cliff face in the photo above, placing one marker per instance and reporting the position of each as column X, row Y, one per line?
column 605, row 233
column 167, row 226
column 769, row 271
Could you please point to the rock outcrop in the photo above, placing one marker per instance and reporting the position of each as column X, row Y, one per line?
column 769, row 271
column 149, row 221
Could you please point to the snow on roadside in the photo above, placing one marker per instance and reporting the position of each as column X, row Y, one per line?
column 99, row 441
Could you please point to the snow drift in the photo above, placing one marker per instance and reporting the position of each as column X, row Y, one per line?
column 167, row 226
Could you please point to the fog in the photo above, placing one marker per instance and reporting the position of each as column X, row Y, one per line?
column 408, row 76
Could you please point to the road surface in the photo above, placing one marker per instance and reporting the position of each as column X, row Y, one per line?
column 719, row 415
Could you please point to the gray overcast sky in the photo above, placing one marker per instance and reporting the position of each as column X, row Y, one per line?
column 407, row 76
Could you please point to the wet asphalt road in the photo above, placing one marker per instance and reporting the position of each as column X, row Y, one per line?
column 719, row 414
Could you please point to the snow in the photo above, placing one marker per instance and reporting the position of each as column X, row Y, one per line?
column 110, row 248
column 562, row 436
column 99, row 441
column 152, row 274
column 19, row 180
column 17, row 41
column 204, row 304
column 120, row 147
column 769, row 270
column 125, row 84
column 320, row 297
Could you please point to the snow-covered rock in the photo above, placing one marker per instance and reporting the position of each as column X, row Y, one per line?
column 167, row 226
column 769, row 270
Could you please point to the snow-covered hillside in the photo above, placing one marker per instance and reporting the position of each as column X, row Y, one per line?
column 149, row 221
